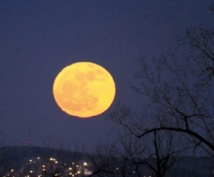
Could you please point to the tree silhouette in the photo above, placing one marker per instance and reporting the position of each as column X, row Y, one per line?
column 178, row 87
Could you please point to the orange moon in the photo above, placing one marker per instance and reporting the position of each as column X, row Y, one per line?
column 84, row 89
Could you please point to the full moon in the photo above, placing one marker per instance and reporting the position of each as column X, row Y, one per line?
column 84, row 89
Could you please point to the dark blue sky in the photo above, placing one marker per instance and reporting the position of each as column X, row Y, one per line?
column 38, row 38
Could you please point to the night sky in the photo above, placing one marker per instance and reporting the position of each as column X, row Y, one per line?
column 40, row 37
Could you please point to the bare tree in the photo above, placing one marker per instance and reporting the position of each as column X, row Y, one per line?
column 153, row 154
column 164, row 156
column 102, row 161
column 179, row 88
